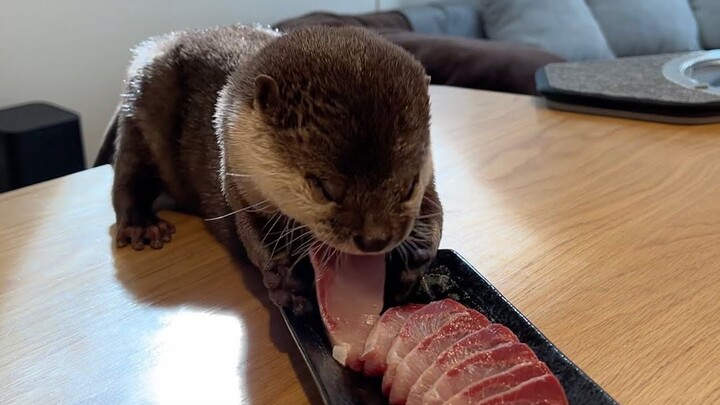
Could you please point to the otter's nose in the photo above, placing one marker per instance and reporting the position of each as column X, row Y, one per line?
column 370, row 245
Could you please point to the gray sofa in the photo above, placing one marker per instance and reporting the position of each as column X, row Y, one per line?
column 578, row 29
column 499, row 44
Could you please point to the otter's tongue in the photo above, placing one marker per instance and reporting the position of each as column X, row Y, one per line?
column 350, row 296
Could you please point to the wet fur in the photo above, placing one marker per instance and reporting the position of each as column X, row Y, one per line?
column 197, row 124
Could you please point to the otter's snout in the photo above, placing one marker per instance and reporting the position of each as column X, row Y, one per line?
column 371, row 244
column 379, row 232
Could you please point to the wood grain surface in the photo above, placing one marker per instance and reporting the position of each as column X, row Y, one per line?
column 604, row 232
column 84, row 323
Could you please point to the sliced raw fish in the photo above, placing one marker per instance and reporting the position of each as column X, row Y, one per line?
column 419, row 325
column 544, row 390
column 381, row 337
column 427, row 351
column 350, row 297
column 477, row 367
column 481, row 340
column 499, row 383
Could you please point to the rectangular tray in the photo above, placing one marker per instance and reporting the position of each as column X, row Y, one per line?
column 449, row 276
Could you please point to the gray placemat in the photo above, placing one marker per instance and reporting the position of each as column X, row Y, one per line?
column 634, row 78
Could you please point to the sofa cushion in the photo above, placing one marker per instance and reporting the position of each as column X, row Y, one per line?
column 387, row 19
column 563, row 27
column 474, row 63
column 444, row 19
column 644, row 27
column 707, row 13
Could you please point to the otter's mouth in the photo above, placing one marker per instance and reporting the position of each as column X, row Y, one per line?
column 350, row 292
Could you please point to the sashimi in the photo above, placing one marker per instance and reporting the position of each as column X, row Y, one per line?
column 481, row 340
column 477, row 367
column 436, row 353
column 425, row 353
column 350, row 291
column 419, row 325
column 381, row 337
column 544, row 390
column 498, row 383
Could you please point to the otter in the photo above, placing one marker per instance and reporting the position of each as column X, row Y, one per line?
column 282, row 141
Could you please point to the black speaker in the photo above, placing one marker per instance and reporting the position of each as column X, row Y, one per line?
column 38, row 142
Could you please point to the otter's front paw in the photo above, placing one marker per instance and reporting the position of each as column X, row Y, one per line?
column 405, row 272
column 286, row 286
column 137, row 232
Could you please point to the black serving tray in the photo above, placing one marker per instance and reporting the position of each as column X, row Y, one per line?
column 449, row 276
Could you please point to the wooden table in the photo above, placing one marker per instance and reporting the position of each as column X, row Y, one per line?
column 604, row 232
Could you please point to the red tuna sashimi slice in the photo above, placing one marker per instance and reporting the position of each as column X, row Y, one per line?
column 350, row 298
column 381, row 337
column 477, row 367
column 544, row 390
column 425, row 353
column 499, row 383
column 484, row 339
column 423, row 323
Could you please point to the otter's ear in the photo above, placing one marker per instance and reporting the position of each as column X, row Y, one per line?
column 428, row 79
column 267, row 94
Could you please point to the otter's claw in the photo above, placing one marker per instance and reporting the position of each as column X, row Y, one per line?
column 404, row 274
column 155, row 232
column 285, row 286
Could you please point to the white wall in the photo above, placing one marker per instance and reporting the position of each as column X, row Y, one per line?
column 74, row 52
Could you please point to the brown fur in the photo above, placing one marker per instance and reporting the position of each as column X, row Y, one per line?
column 281, row 141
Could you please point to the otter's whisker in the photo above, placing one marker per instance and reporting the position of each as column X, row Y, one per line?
column 273, row 220
column 249, row 207
column 437, row 214
column 277, row 217
column 292, row 240
column 292, row 229
column 402, row 252
column 413, row 244
column 237, row 175
column 420, row 239
column 329, row 257
column 311, row 246
column 421, row 222
column 305, row 246
column 265, row 236
column 423, row 230
column 287, row 224
column 325, row 255
column 429, row 200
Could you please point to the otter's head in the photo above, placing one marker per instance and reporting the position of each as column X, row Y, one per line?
column 333, row 129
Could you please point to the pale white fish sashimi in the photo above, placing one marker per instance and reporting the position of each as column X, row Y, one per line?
column 424, row 354
column 424, row 322
column 350, row 292
column 481, row 340
column 381, row 337
column 477, row 367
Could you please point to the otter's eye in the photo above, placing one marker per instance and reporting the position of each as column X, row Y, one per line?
column 330, row 190
column 411, row 189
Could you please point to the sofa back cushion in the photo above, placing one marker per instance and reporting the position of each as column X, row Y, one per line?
column 707, row 13
column 644, row 27
column 452, row 18
column 563, row 27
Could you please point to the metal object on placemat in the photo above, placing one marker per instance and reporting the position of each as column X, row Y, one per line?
column 675, row 88
column 450, row 276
